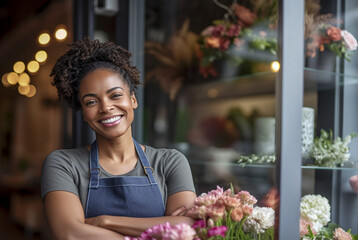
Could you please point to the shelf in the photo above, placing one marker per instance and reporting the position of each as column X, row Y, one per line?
column 233, row 164
column 264, row 83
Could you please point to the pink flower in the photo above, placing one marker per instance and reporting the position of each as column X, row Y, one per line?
column 304, row 226
column 208, row 31
column 237, row 214
column 247, row 210
column 216, row 211
column 165, row 231
column 199, row 224
column 197, row 212
column 353, row 181
column 217, row 231
column 349, row 40
column 340, row 234
column 224, row 44
column 231, row 202
column 334, row 33
column 246, row 198
column 233, row 30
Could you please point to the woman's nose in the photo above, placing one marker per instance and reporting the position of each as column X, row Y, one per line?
column 106, row 106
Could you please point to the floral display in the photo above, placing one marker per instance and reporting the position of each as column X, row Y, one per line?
column 240, row 32
column 256, row 159
column 315, row 220
column 323, row 34
column 231, row 216
column 329, row 152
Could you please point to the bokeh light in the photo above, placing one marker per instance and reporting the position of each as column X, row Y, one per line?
column 44, row 38
column 19, row 67
column 4, row 81
column 23, row 90
column 275, row 66
column 33, row 66
column 32, row 91
column 24, row 79
column 41, row 56
column 61, row 33
column 12, row 78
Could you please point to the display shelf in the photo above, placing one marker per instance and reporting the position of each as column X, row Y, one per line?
column 233, row 164
column 264, row 83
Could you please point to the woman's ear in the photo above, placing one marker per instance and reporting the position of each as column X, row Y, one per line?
column 134, row 100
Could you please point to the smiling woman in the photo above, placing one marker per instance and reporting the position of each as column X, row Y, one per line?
column 96, row 191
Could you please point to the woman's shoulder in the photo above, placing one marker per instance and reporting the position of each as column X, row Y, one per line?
column 68, row 156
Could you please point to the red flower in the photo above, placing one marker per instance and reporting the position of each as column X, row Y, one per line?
column 334, row 33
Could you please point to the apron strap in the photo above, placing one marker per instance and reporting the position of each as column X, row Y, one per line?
column 143, row 159
column 95, row 171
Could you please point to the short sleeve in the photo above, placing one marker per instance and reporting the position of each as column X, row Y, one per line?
column 57, row 174
column 178, row 176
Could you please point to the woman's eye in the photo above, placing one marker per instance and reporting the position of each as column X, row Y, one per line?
column 90, row 102
column 116, row 95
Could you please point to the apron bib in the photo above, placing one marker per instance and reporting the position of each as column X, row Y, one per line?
column 130, row 196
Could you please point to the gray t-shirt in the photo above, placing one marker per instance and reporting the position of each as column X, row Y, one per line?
column 68, row 170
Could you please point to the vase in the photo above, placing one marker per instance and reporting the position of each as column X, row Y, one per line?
column 264, row 135
column 307, row 135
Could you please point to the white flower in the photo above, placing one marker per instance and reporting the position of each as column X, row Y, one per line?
column 260, row 219
column 316, row 209
column 349, row 40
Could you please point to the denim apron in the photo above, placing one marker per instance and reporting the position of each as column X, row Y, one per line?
column 131, row 196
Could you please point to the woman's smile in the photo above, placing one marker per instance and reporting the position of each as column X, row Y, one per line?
column 110, row 122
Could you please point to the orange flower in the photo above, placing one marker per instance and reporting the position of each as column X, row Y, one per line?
column 237, row 214
column 334, row 33
column 245, row 16
column 213, row 42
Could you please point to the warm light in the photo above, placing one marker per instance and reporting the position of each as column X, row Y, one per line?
column 61, row 33
column 41, row 56
column 19, row 67
column 23, row 90
column 24, row 79
column 32, row 91
column 212, row 93
column 4, row 81
column 275, row 66
column 44, row 38
column 33, row 66
column 12, row 78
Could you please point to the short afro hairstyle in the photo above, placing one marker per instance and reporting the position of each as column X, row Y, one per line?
column 85, row 56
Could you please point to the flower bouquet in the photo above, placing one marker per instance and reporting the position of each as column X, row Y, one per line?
column 224, row 215
column 315, row 217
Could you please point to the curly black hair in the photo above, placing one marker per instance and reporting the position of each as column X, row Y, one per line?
column 85, row 56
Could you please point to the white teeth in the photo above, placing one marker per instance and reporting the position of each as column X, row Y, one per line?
column 110, row 120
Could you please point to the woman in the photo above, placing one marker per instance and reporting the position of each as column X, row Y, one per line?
column 115, row 187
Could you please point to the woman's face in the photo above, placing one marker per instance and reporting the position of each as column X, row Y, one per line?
column 107, row 103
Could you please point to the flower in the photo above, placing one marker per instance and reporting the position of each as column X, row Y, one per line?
column 260, row 220
column 353, row 181
column 334, row 33
column 315, row 208
column 181, row 231
column 340, row 234
column 349, row 40
column 329, row 152
column 217, row 231
column 304, row 224
column 227, row 213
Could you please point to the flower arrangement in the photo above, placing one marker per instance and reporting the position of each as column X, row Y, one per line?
column 256, row 159
column 329, row 152
column 225, row 215
column 229, row 39
column 322, row 34
column 315, row 218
